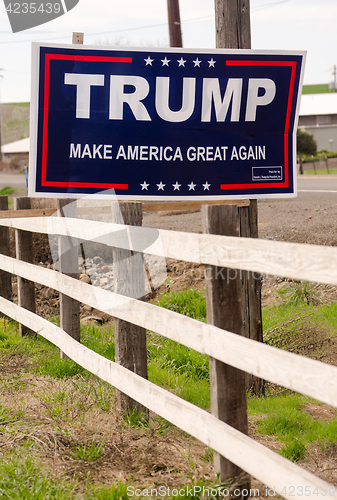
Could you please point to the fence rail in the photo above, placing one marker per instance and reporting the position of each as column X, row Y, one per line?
column 292, row 260
column 295, row 372
column 310, row 377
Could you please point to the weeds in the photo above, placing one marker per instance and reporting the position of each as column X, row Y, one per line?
column 71, row 393
column 67, row 401
column 208, row 456
column 297, row 292
column 288, row 421
column 118, row 491
column 22, row 478
column 102, row 394
column 89, row 451
column 135, row 418
column 7, row 190
column 190, row 302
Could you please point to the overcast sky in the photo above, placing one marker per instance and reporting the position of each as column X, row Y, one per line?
column 276, row 24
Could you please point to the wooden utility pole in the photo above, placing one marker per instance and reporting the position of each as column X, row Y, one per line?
column 233, row 300
column 224, row 300
column 174, row 23
column 232, row 24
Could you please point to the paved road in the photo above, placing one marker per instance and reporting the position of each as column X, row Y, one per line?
column 317, row 187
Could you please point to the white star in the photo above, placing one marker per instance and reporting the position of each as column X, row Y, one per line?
column 176, row 186
column 165, row 61
column 161, row 186
column 211, row 63
column 206, row 186
column 197, row 62
column 191, row 186
column 145, row 185
column 181, row 62
column 149, row 61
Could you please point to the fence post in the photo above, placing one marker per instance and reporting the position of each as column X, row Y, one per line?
column 224, row 309
column 327, row 166
column 5, row 278
column 68, row 264
column 251, row 283
column 24, row 252
column 129, row 280
column 301, row 166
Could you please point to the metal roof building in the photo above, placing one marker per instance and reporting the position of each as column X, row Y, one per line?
column 318, row 116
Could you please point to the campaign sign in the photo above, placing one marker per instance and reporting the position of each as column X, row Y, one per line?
column 163, row 124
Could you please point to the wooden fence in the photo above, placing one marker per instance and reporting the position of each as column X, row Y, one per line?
column 312, row 378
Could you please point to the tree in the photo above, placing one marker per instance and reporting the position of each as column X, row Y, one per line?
column 306, row 144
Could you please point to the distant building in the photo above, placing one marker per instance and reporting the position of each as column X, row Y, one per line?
column 318, row 116
column 18, row 149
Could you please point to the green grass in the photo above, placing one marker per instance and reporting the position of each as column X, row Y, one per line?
column 322, row 88
column 323, row 314
column 298, row 292
column 185, row 372
column 20, row 104
column 174, row 366
column 189, row 302
column 285, row 418
column 21, row 478
column 332, row 171
column 6, row 191
column 89, row 452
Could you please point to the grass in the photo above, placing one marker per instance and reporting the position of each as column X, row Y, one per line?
column 332, row 171
column 20, row 104
column 90, row 451
column 73, row 392
column 15, row 121
column 286, row 418
column 23, row 478
column 189, row 302
column 6, row 191
column 298, row 292
column 322, row 88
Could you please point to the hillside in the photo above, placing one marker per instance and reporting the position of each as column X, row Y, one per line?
column 322, row 88
column 15, row 122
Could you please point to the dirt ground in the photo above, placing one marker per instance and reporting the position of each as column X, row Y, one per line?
column 145, row 457
column 281, row 220
column 156, row 459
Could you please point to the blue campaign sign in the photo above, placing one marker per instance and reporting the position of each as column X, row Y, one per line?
column 163, row 123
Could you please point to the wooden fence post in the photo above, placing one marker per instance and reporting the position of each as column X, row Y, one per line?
column 251, row 289
column 68, row 262
column 129, row 280
column 5, row 278
column 24, row 252
column 232, row 25
column 224, row 309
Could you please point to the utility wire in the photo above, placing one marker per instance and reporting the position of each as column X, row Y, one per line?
column 196, row 19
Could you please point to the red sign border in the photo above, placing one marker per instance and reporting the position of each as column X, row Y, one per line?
column 44, row 181
column 285, row 184
column 230, row 62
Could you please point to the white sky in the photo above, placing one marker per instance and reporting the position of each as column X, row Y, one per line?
column 276, row 24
